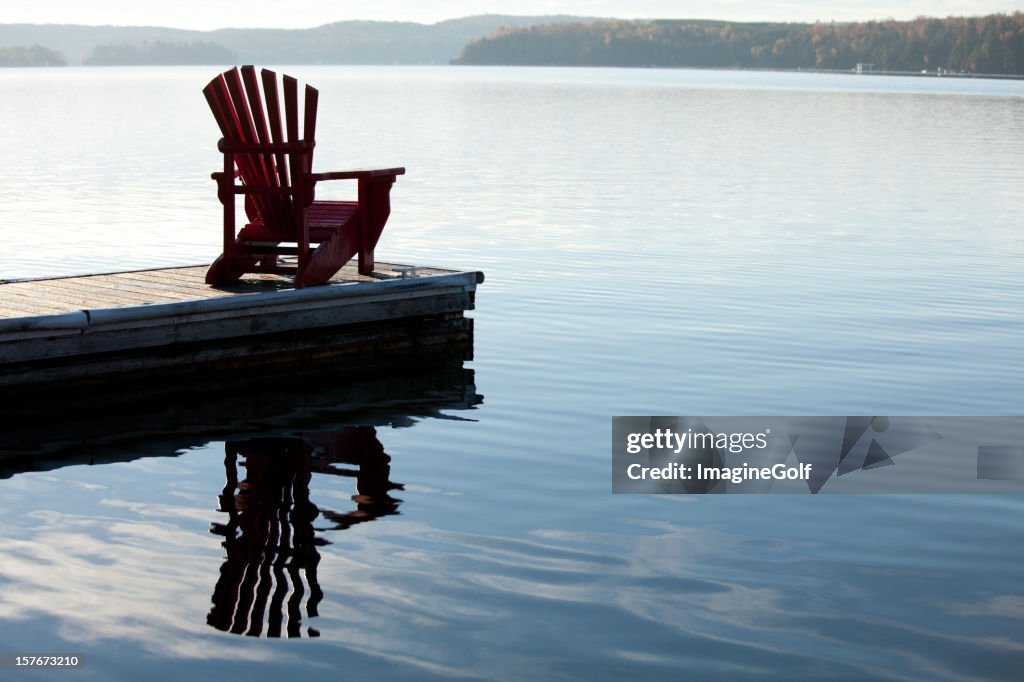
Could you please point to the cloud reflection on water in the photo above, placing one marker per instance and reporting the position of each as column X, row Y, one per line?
column 664, row 598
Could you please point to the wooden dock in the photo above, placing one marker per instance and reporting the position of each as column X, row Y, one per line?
column 94, row 329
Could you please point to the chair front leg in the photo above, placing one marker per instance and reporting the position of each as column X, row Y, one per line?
column 226, row 194
column 374, row 210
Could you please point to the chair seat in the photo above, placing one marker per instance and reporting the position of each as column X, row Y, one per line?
column 324, row 218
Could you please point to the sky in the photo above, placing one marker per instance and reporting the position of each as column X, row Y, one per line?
column 212, row 14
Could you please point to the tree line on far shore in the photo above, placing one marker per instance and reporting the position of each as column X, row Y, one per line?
column 35, row 55
column 123, row 54
column 159, row 52
column 340, row 42
column 992, row 44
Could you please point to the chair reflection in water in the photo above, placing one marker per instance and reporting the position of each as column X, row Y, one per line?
column 270, row 539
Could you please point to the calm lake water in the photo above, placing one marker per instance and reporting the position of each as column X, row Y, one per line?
column 655, row 242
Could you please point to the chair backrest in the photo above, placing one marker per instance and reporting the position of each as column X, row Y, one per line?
column 237, row 102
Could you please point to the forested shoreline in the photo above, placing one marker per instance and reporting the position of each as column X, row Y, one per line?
column 989, row 45
column 159, row 52
column 35, row 55
column 992, row 44
column 343, row 42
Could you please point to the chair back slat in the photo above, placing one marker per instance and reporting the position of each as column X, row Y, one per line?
column 278, row 205
column 252, row 169
column 274, row 113
column 309, row 121
column 236, row 91
column 252, row 91
column 291, row 122
column 219, row 97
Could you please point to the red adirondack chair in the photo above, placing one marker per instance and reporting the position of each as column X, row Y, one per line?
column 273, row 165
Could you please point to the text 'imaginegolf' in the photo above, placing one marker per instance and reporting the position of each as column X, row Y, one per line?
column 817, row 454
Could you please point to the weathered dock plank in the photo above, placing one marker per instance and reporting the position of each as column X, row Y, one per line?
column 67, row 297
column 87, row 289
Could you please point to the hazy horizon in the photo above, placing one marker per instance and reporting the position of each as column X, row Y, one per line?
column 209, row 15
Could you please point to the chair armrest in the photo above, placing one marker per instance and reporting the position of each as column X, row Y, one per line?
column 357, row 174
column 227, row 185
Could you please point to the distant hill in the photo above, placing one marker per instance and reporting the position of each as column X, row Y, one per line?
column 158, row 53
column 344, row 42
column 991, row 44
